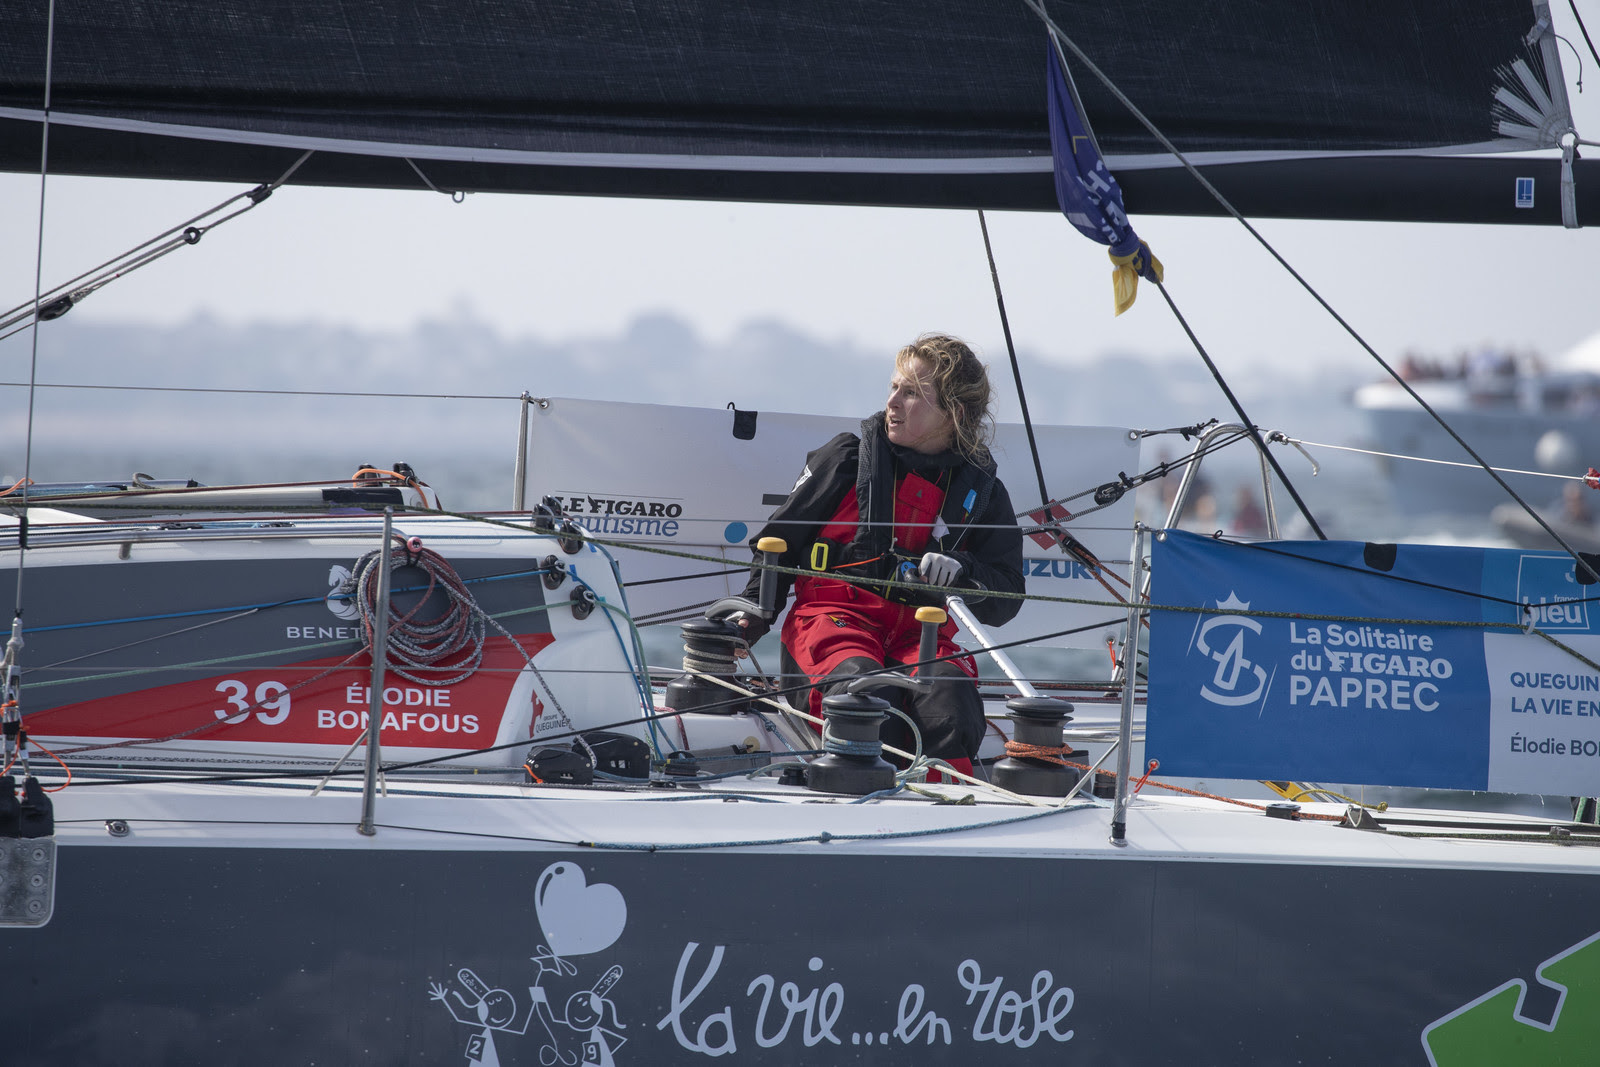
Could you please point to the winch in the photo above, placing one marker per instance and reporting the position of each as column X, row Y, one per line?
column 710, row 644
column 1033, row 764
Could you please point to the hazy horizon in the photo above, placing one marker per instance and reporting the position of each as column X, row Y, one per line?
column 167, row 428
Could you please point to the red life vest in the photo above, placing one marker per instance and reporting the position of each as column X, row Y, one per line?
column 833, row 620
column 916, row 509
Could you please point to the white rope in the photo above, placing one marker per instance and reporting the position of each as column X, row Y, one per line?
column 1440, row 462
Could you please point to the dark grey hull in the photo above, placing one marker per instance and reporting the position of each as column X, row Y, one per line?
column 327, row 956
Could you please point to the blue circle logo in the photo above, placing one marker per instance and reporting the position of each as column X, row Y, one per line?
column 736, row 532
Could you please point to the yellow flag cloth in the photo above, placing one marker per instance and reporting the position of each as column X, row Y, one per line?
column 1125, row 275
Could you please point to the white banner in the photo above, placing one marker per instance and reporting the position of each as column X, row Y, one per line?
column 677, row 477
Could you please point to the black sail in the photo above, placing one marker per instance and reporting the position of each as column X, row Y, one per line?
column 1355, row 109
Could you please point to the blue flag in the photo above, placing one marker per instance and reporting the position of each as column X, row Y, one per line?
column 1089, row 195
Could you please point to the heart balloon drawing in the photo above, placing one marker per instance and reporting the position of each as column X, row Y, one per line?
column 577, row 918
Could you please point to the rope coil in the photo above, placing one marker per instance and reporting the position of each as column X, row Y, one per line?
column 711, row 653
column 451, row 641
column 1048, row 753
column 838, row 746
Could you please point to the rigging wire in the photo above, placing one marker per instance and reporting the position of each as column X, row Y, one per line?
column 1175, row 608
column 1011, row 350
column 62, row 298
column 1575, row 55
column 1216, row 374
column 1067, row 542
column 1250, row 427
column 457, row 195
column 1585, row 31
column 490, row 520
column 1255, row 436
column 347, row 393
column 1178, row 608
column 1438, row 462
column 1160, row 470
column 1037, row 7
column 1470, row 594
column 14, row 739
column 38, row 284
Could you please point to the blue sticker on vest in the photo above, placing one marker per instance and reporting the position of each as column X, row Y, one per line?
column 972, row 498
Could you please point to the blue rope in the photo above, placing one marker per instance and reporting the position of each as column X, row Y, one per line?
column 627, row 612
column 840, row 747
column 252, row 607
column 645, row 703
column 172, row 615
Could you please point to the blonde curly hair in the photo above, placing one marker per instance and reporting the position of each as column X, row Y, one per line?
column 960, row 387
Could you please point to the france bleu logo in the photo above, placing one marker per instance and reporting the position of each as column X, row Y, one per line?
column 1554, row 600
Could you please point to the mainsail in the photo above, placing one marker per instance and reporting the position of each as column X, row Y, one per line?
column 1354, row 110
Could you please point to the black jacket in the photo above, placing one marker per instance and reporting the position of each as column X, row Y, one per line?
column 983, row 534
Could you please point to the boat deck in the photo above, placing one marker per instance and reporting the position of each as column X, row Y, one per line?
column 763, row 815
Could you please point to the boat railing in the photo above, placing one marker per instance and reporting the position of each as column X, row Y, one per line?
column 1191, row 473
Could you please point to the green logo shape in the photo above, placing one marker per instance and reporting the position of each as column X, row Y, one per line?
column 1492, row 1032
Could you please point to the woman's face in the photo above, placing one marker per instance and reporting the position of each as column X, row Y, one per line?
column 912, row 415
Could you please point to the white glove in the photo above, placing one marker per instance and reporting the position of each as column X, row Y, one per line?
column 937, row 569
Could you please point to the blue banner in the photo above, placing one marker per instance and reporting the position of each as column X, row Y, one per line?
column 1386, row 686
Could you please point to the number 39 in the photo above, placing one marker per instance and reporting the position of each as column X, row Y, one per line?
column 273, row 695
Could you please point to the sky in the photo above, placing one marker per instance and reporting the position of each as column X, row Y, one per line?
column 560, row 268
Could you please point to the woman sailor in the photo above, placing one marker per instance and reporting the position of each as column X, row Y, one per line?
column 916, row 486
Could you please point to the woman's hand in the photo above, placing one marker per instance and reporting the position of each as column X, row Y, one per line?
column 938, row 569
column 752, row 627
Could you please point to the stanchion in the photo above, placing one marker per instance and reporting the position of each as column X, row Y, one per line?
column 1130, row 681
column 380, row 656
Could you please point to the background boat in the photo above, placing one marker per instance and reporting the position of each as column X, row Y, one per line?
column 1532, row 419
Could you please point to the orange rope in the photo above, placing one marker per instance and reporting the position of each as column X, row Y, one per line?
column 22, row 735
column 19, row 484
column 375, row 474
column 59, row 760
column 858, row 563
column 1054, row 754
column 1150, row 768
column 1048, row 753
